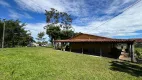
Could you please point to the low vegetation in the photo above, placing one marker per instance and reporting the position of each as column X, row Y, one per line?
column 138, row 52
column 50, row 64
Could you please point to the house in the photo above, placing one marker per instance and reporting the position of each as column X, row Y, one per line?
column 98, row 45
column 33, row 44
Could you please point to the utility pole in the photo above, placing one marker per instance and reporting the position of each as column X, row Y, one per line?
column 3, row 34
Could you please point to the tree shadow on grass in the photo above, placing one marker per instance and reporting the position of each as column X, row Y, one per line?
column 127, row 67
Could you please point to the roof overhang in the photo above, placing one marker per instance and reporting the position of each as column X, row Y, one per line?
column 98, row 40
column 94, row 38
column 138, row 40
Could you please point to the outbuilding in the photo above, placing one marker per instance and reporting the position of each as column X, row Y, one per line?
column 98, row 45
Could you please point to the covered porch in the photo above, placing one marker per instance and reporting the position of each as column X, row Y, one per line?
column 113, row 48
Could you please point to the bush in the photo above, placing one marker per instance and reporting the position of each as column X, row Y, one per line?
column 138, row 53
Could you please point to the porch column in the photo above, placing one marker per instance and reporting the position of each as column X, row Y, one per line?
column 100, row 49
column 100, row 52
column 82, row 48
column 55, row 45
column 62, row 47
column 129, row 49
column 70, row 49
column 132, row 53
column 70, row 46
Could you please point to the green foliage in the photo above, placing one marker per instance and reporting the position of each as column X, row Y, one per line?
column 66, row 34
column 138, row 53
column 41, row 39
column 54, row 17
column 59, row 25
column 15, row 34
column 49, row 64
column 138, row 45
column 40, row 36
column 55, row 32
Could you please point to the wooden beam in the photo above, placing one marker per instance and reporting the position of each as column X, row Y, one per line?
column 100, row 49
column 70, row 49
column 132, row 53
column 82, row 50
column 70, row 46
column 129, row 49
column 55, row 47
column 64, row 46
column 61, row 46
column 100, row 52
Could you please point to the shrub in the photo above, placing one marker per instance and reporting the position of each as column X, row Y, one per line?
column 138, row 53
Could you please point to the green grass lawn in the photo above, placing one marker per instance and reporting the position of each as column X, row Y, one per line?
column 49, row 64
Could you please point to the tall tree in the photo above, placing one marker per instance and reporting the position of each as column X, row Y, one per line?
column 53, row 32
column 41, row 38
column 55, row 17
column 15, row 34
column 59, row 25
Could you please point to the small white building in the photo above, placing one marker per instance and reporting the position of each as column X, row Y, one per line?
column 33, row 44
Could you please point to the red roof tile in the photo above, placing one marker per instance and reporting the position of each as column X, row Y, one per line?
column 137, row 40
column 96, row 40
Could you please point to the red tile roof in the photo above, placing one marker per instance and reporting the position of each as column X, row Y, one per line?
column 99, row 39
column 96, row 40
column 137, row 40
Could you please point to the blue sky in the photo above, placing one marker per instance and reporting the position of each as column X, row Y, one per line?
column 110, row 18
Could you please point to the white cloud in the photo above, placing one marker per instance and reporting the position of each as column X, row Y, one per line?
column 35, row 28
column 125, row 24
column 3, row 3
column 116, row 6
column 75, row 7
column 42, row 5
column 79, row 8
column 16, row 15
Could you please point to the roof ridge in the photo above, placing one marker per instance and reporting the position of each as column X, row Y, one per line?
column 89, row 35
